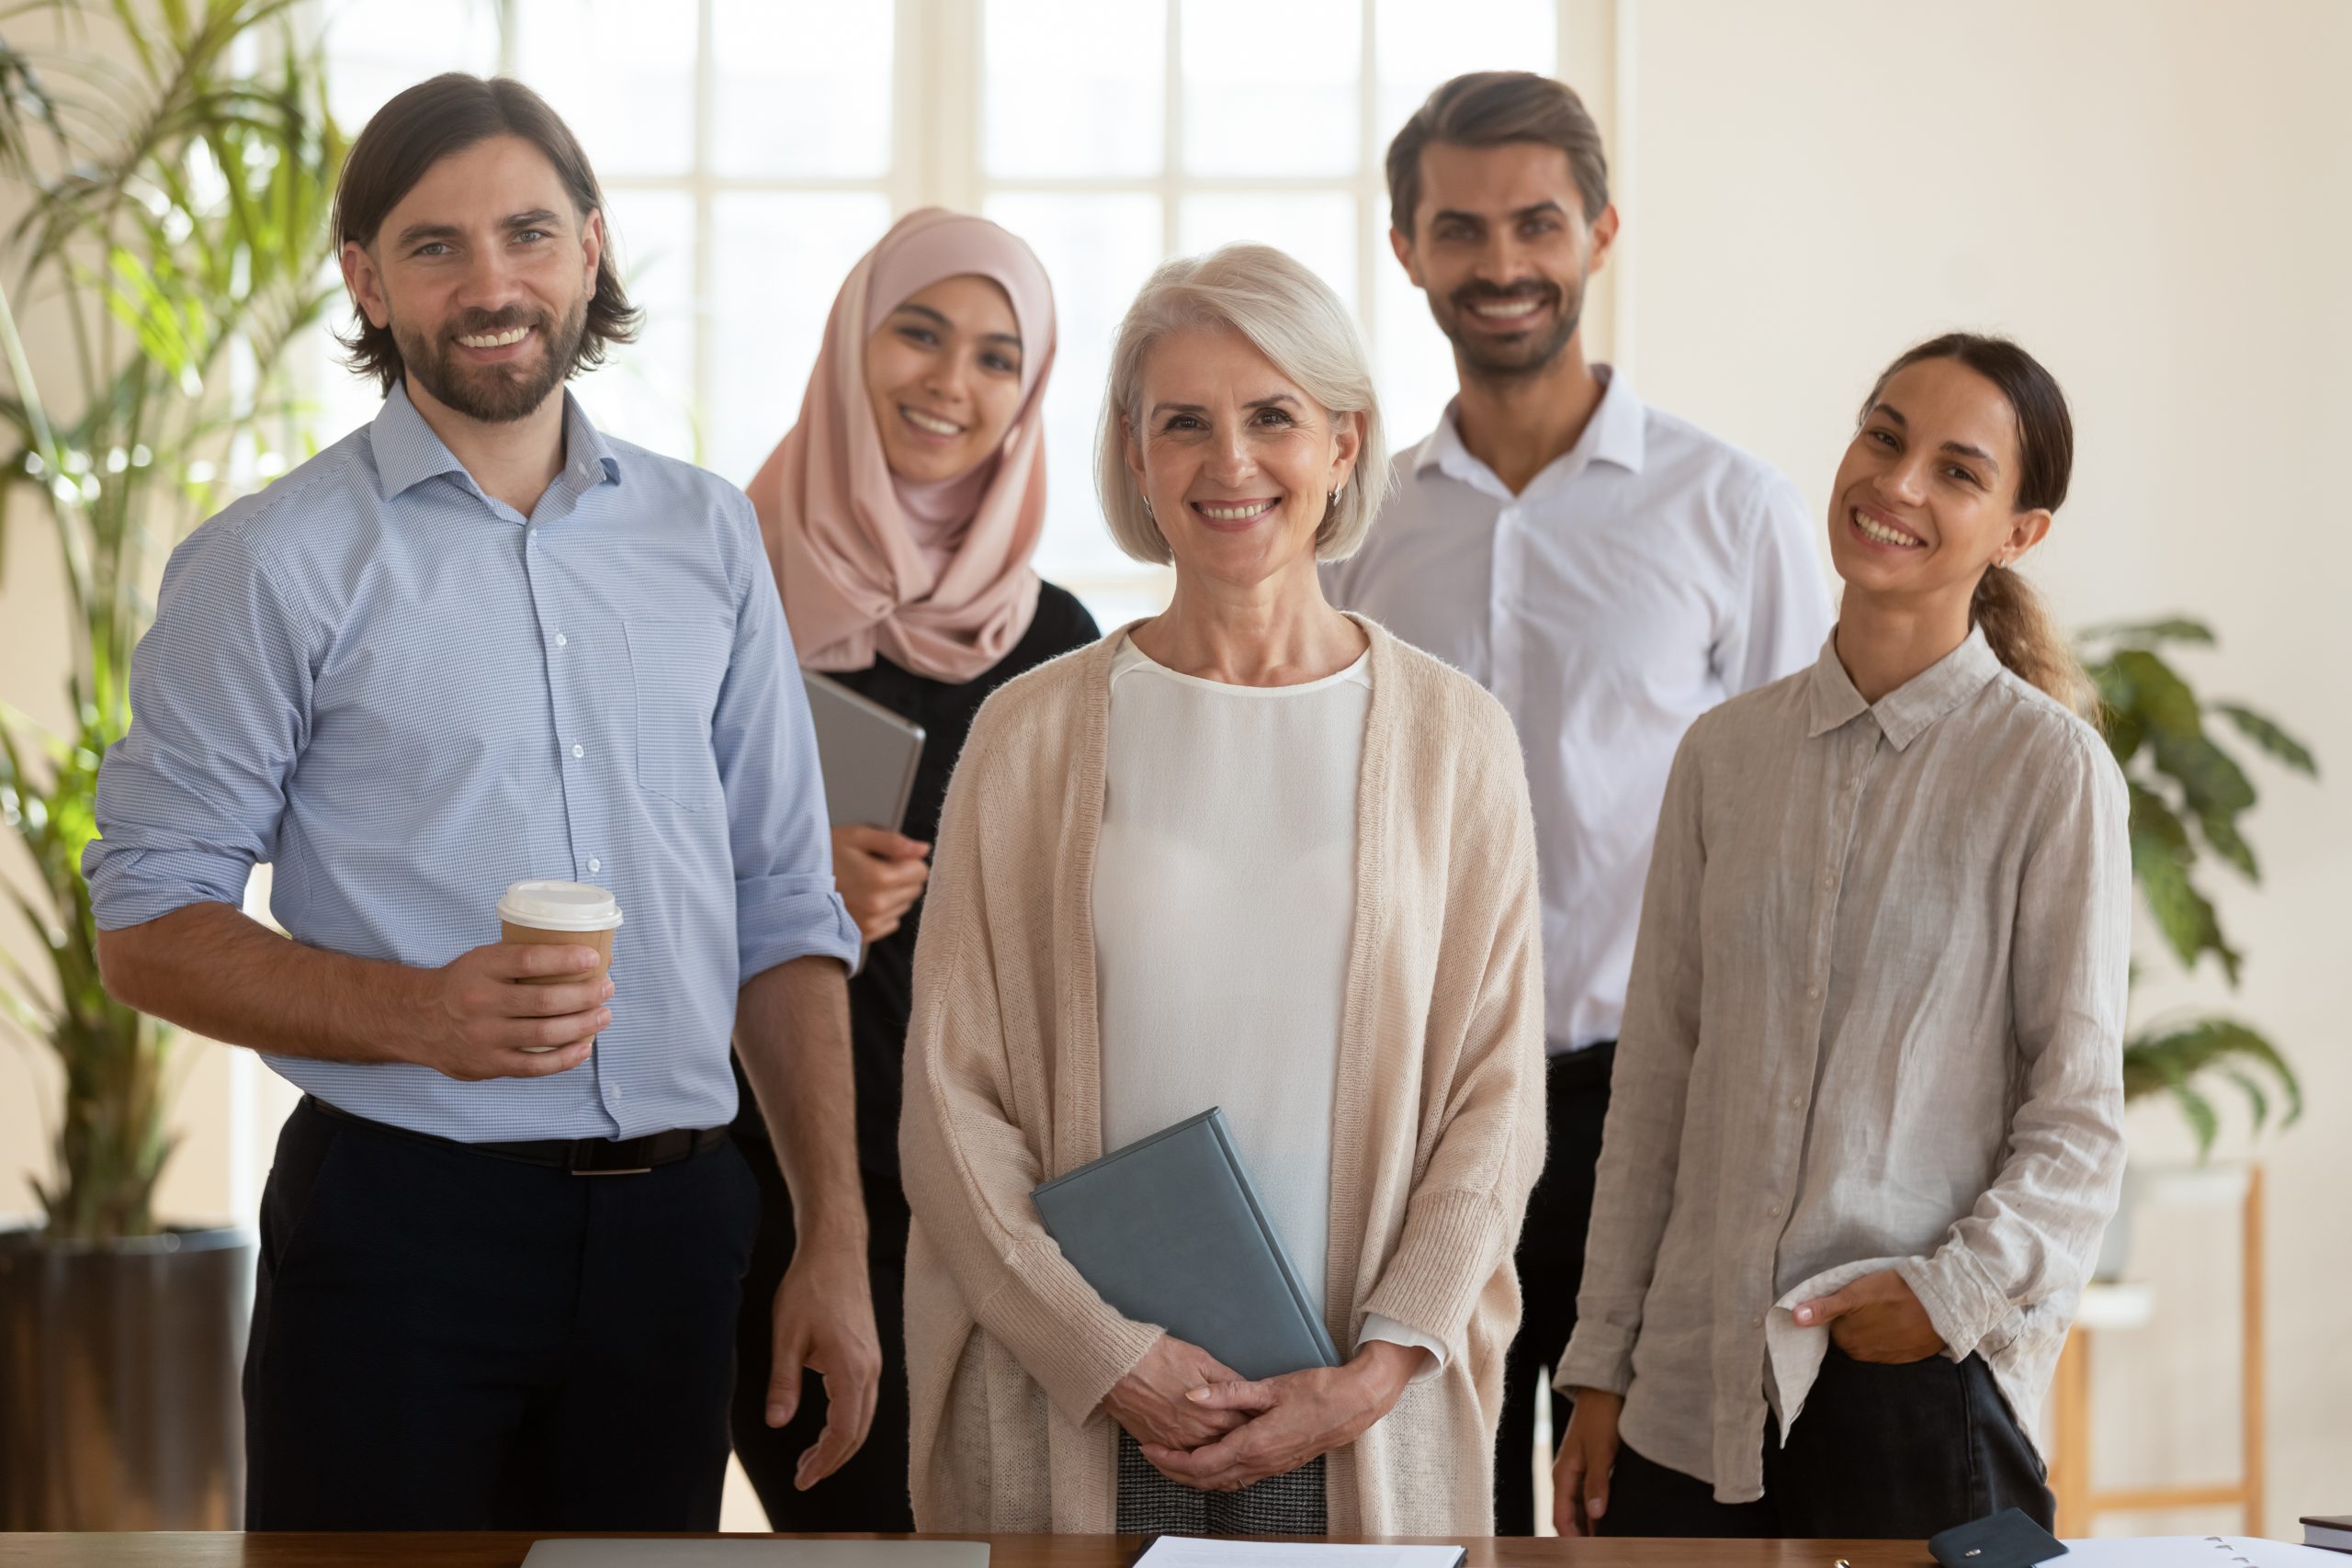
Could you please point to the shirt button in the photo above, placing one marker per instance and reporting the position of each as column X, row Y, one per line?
column 561, row 640
column 1756, row 1322
column 596, row 864
column 1812, row 993
column 1829, row 879
column 1773, row 1210
column 1796, row 1103
column 578, row 751
column 619, row 1093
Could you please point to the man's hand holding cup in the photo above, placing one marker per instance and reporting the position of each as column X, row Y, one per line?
column 529, row 1004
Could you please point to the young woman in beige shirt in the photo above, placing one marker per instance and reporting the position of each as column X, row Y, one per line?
column 1865, row 1128
column 1251, row 853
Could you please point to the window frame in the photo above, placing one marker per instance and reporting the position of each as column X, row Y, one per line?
column 937, row 119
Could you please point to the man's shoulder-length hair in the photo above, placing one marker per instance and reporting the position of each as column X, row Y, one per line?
column 427, row 123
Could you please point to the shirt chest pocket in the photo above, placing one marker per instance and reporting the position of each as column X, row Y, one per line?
column 676, row 667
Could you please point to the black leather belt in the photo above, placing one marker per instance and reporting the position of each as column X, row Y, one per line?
column 581, row 1157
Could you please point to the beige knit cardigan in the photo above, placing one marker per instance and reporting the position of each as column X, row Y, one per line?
column 1437, row 1127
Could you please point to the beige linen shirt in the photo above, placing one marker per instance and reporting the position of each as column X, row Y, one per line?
column 1875, row 1022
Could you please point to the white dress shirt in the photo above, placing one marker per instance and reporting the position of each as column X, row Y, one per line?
column 1224, row 908
column 1640, row 578
column 1876, row 1024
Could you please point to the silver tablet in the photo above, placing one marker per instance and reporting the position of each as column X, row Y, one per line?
column 869, row 755
column 741, row 1552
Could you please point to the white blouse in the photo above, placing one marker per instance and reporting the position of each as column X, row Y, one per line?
column 1224, row 906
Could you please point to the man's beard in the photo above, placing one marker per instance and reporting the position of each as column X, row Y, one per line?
column 495, row 394
column 1484, row 355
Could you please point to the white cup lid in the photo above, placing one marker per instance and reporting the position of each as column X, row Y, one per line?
column 559, row 906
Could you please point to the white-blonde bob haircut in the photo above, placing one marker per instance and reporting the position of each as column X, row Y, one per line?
column 1292, row 316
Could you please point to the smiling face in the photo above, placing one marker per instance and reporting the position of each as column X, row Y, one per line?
column 1926, row 499
column 1237, row 461
column 942, row 372
column 1502, row 246
column 483, row 272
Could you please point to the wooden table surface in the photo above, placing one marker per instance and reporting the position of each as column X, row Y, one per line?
column 230, row 1549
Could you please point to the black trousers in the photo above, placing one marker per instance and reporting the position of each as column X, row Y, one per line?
column 869, row 1493
column 1551, row 1272
column 445, row 1340
column 1879, row 1453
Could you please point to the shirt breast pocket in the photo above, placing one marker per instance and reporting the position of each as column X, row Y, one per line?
column 676, row 666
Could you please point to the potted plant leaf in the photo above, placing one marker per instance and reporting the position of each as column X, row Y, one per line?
column 2189, row 795
column 173, row 233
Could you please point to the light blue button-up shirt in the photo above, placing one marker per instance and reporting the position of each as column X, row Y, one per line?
column 406, row 696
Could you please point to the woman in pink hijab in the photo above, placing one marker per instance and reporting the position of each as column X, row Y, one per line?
column 901, row 512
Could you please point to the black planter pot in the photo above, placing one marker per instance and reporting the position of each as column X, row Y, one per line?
column 118, row 1368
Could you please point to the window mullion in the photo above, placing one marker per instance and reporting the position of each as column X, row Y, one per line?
column 1596, row 57
column 937, row 119
column 1369, row 181
column 1171, row 161
column 1623, row 274
column 911, row 77
column 699, row 192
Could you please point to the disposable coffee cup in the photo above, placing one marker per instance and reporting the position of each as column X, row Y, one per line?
column 560, row 914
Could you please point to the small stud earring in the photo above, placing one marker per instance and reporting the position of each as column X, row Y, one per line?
column 1147, row 511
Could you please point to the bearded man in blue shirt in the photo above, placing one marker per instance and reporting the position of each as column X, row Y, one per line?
column 476, row 643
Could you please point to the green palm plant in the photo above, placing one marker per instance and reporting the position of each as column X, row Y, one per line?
column 2189, row 795
column 175, row 214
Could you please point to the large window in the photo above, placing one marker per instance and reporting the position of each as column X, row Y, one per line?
column 752, row 150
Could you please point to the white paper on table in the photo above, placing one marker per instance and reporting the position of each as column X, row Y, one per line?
column 1189, row 1551
column 2194, row 1551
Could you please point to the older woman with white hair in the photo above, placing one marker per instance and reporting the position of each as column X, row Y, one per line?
column 1252, row 853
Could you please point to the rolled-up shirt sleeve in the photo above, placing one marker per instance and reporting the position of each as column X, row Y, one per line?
column 192, row 797
column 1389, row 1331
column 786, row 905
column 2034, row 1234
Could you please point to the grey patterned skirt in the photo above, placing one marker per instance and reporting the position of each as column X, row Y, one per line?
column 1150, row 1504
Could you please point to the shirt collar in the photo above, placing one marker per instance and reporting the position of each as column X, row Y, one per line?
column 408, row 453
column 1614, row 434
column 1904, row 713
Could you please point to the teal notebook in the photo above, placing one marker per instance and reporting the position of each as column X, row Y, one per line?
column 1169, row 1230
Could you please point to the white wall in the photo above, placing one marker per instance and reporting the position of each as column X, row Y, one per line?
column 2153, row 195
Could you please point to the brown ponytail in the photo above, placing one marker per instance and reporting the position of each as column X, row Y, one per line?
column 2016, row 622
column 2025, row 636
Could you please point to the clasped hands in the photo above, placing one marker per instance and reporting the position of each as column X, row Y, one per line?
column 1202, row 1424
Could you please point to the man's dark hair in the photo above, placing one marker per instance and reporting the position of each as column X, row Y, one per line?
column 427, row 123
column 1492, row 108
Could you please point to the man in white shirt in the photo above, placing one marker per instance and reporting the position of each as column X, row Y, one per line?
column 1607, row 571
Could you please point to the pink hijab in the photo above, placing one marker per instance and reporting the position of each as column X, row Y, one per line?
column 934, row 577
